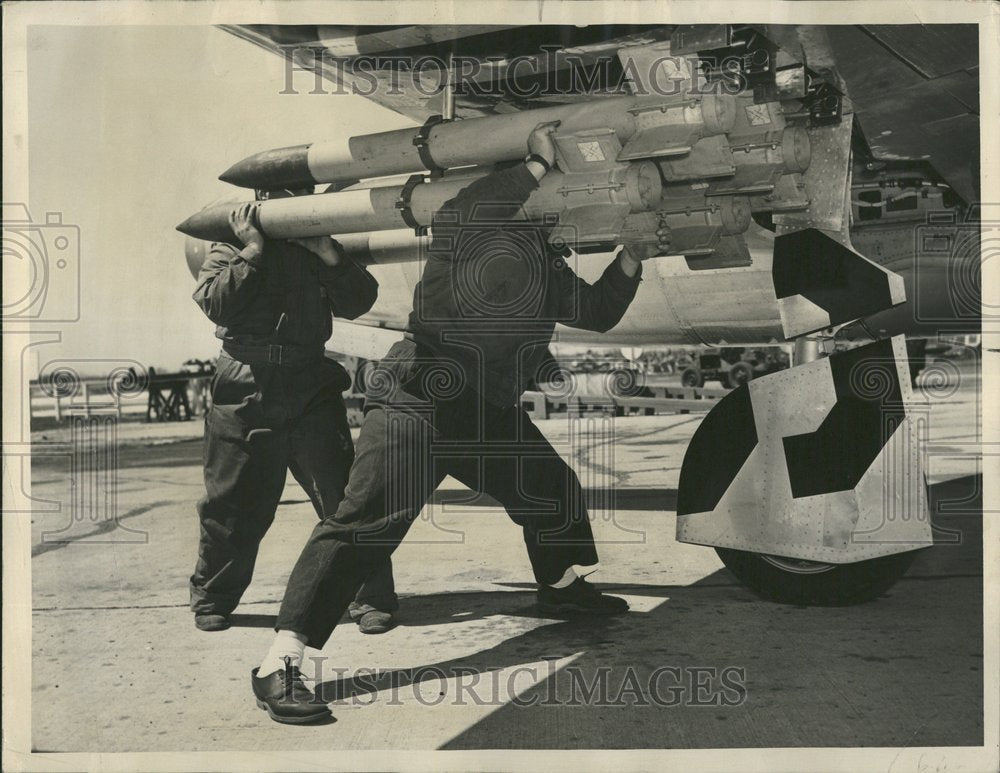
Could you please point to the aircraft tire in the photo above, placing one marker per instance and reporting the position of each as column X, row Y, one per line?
column 791, row 581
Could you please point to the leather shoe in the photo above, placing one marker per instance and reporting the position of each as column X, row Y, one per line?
column 375, row 621
column 285, row 698
column 211, row 622
column 578, row 598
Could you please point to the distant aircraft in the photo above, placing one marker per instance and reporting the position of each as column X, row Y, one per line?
column 818, row 182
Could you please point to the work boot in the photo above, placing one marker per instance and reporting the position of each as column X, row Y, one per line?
column 375, row 621
column 211, row 622
column 578, row 598
column 285, row 698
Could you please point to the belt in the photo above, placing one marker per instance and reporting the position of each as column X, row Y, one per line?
column 273, row 354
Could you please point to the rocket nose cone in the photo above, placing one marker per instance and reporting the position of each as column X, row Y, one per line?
column 211, row 224
column 189, row 226
column 272, row 170
column 239, row 174
column 203, row 225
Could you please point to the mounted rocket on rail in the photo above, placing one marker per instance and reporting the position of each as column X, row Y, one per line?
column 695, row 160
column 695, row 154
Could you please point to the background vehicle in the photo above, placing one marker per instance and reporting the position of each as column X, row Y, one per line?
column 732, row 367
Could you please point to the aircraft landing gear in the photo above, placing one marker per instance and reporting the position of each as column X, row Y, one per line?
column 804, row 490
column 796, row 581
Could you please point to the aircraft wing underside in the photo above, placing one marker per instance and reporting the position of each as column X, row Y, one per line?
column 915, row 88
column 760, row 212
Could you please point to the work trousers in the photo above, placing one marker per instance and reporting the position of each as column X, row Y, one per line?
column 403, row 453
column 246, row 463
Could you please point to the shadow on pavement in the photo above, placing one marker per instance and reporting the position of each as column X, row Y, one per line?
column 621, row 498
column 905, row 669
column 239, row 620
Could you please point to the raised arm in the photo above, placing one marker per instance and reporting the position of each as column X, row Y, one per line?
column 498, row 196
column 230, row 278
column 351, row 289
column 601, row 306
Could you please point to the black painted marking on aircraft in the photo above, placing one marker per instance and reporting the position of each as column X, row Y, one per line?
column 716, row 453
column 835, row 278
column 868, row 410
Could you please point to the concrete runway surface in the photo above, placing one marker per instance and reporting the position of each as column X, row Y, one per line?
column 699, row 662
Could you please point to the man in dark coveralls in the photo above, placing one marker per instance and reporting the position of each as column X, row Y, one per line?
column 276, row 406
column 446, row 402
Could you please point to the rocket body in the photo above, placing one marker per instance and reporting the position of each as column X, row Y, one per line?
column 633, row 187
column 480, row 141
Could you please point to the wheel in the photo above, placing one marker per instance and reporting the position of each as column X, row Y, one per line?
column 740, row 373
column 691, row 377
column 794, row 581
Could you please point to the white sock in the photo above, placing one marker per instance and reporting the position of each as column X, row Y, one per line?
column 572, row 573
column 286, row 643
column 567, row 579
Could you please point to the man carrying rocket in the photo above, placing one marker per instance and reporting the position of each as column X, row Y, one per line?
column 276, row 405
column 483, row 316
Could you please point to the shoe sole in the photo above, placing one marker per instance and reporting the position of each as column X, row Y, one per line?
column 374, row 629
column 575, row 610
column 380, row 629
column 212, row 628
column 292, row 720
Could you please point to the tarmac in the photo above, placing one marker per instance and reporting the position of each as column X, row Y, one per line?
column 699, row 662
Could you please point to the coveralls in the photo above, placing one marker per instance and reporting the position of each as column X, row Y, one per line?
column 276, row 406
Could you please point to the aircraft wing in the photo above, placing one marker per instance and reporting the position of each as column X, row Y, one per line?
column 922, row 100
column 510, row 60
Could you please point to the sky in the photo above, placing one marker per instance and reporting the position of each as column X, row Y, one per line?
column 128, row 129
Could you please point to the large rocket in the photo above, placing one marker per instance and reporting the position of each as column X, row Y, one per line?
column 646, row 126
column 635, row 186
